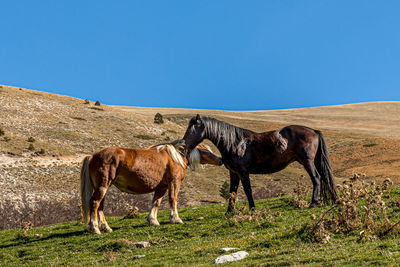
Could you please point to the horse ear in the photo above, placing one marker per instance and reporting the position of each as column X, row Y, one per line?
column 198, row 119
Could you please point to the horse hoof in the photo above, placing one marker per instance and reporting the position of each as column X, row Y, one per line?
column 176, row 221
column 107, row 229
column 312, row 205
column 152, row 222
column 95, row 231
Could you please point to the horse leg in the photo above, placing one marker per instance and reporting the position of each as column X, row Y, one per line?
column 102, row 219
column 316, row 180
column 233, row 189
column 173, row 190
column 95, row 201
column 244, row 177
column 157, row 198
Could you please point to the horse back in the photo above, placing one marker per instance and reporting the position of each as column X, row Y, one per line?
column 272, row 151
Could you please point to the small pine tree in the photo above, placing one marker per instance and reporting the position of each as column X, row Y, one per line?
column 158, row 118
column 224, row 190
column 97, row 103
column 31, row 147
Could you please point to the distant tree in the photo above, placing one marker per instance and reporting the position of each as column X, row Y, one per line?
column 1, row 132
column 87, row 101
column 97, row 103
column 31, row 139
column 31, row 147
column 158, row 118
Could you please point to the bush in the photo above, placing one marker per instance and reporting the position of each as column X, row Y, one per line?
column 158, row 118
column 96, row 108
column 97, row 103
column 144, row 137
column 224, row 190
column 1, row 132
column 6, row 138
column 132, row 212
column 86, row 102
column 301, row 191
column 31, row 139
column 41, row 151
column 31, row 147
column 362, row 206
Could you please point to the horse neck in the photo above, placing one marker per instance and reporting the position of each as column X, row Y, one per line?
column 218, row 143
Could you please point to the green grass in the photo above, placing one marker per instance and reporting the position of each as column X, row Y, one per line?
column 275, row 241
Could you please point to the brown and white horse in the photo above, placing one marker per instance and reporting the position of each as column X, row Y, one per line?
column 137, row 171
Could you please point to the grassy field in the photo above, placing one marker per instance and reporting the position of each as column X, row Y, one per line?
column 274, row 235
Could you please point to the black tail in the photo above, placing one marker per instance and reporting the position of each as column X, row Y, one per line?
column 328, row 186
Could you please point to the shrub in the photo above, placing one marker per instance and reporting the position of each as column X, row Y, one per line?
column 31, row 147
column 300, row 193
column 31, row 139
column 1, row 132
column 42, row 151
column 78, row 118
column 86, row 102
column 264, row 218
column 158, row 118
column 132, row 212
column 6, row 138
column 224, row 190
column 144, row 137
column 26, row 226
column 97, row 103
column 96, row 108
column 361, row 207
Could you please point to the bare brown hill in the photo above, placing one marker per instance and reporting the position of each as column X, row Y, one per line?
column 41, row 183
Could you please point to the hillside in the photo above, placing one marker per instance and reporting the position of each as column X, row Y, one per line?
column 41, row 184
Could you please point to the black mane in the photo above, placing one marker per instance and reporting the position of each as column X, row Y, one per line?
column 233, row 139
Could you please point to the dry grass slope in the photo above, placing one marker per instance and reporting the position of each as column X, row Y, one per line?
column 362, row 138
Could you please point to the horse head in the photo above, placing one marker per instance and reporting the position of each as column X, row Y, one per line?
column 194, row 133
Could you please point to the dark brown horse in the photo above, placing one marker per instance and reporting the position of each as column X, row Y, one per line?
column 137, row 171
column 245, row 152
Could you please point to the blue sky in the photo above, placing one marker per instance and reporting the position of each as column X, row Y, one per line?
column 233, row 55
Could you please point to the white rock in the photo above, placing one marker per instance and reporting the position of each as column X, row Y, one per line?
column 237, row 256
column 228, row 249
column 139, row 256
column 142, row 244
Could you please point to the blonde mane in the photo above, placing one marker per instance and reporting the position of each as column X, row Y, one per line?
column 172, row 150
column 194, row 159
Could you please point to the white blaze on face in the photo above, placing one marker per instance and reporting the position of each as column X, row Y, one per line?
column 194, row 159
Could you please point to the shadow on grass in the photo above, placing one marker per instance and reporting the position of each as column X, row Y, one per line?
column 29, row 240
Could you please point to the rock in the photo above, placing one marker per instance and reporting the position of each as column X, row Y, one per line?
column 237, row 256
column 200, row 218
column 139, row 256
column 228, row 249
column 142, row 244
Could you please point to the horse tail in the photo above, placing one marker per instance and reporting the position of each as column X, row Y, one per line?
column 328, row 186
column 86, row 188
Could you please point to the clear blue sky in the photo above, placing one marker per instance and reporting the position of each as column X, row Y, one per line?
column 235, row 55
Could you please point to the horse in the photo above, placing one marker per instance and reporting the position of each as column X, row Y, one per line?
column 246, row 152
column 137, row 171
